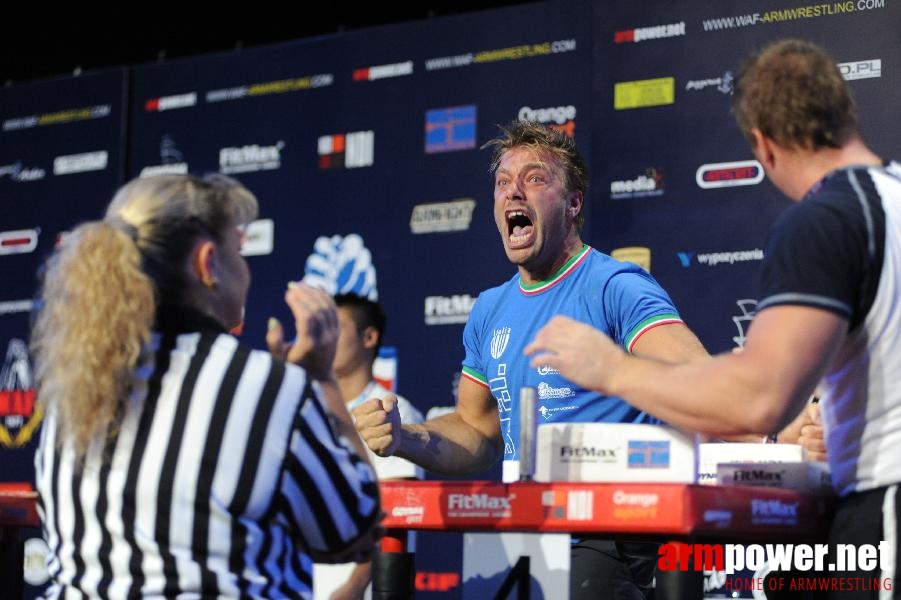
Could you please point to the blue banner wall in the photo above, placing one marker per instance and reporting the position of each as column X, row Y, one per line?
column 412, row 104
column 673, row 175
column 62, row 153
column 61, row 157
column 364, row 150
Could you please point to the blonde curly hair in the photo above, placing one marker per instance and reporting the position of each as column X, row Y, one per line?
column 101, row 289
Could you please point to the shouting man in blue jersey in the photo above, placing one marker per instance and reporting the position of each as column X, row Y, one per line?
column 540, row 189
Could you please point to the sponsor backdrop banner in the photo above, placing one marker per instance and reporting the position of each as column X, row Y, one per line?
column 675, row 182
column 363, row 148
column 61, row 159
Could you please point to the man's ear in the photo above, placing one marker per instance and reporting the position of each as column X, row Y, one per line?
column 574, row 201
column 205, row 263
column 370, row 337
column 763, row 148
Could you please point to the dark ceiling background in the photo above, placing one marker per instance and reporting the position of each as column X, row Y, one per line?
column 41, row 41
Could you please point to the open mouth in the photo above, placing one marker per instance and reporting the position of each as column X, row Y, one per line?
column 519, row 227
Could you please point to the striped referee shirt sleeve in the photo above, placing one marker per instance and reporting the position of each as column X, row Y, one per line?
column 325, row 478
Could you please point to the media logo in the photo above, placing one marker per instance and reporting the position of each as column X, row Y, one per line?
column 439, row 217
column 649, row 183
column 19, row 241
column 341, row 265
column 346, row 150
column 644, row 93
column 729, row 174
column 638, row 255
column 19, row 410
column 450, row 129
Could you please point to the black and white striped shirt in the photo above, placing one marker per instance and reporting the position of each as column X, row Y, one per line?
column 840, row 250
column 224, row 470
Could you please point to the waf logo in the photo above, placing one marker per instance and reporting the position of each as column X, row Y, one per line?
column 729, row 174
column 342, row 265
column 18, row 410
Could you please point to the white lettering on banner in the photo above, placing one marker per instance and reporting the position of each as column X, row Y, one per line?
column 171, row 169
column 443, row 310
column 19, row 241
column 455, row 215
column 863, row 69
column 393, row 70
column 250, row 158
column 359, row 149
column 714, row 258
column 80, row 163
column 177, row 101
column 621, row 498
column 659, row 31
column 558, row 114
column 259, row 238
column 15, row 306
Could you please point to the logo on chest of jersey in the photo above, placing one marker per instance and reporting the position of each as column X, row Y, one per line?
column 549, row 392
column 499, row 341
column 546, row 370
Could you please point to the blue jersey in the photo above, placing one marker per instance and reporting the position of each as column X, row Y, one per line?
column 618, row 298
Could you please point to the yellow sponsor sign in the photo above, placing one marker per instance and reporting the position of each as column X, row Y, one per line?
column 640, row 255
column 647, row 92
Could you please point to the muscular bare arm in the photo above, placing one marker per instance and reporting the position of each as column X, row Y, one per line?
column 464, row 442
column 788, row 349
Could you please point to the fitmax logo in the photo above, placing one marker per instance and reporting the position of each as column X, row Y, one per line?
column 477, row 502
